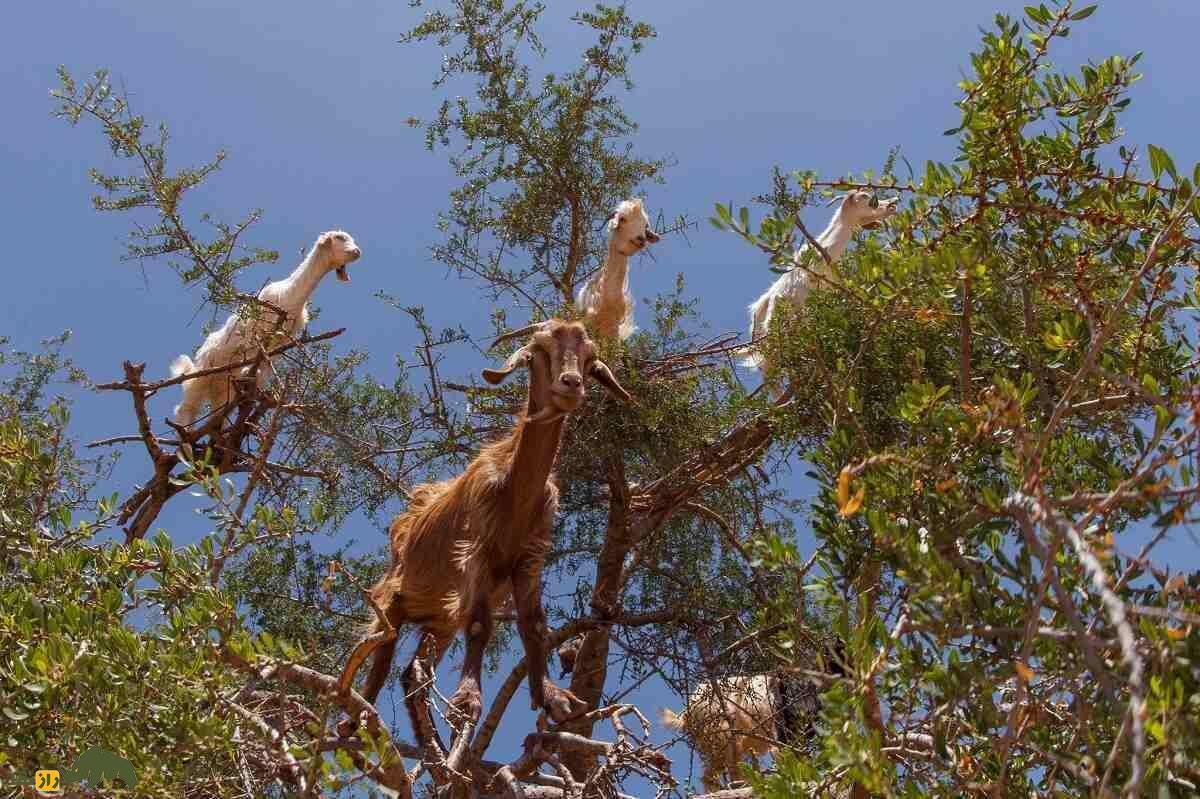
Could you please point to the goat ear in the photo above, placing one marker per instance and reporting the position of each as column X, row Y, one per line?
column 518, row 358
column 602, row 375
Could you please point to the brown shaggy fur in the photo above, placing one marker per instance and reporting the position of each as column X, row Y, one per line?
column 568, row 653
column 465, row 543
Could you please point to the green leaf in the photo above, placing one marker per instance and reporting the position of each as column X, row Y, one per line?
column 1083, row 13
column 1160, row 161
column 1162, row 419
column 14, row 714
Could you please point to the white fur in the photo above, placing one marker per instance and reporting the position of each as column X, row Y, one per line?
column 240, row 336
column 605, row 299
column 854, row 212
column 729, row 727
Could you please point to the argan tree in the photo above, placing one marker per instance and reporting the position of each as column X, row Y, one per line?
column 995, row 399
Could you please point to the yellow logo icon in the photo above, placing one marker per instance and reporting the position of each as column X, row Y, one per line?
column 47, row 782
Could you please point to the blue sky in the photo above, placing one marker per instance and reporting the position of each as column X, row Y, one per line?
column 310, row 99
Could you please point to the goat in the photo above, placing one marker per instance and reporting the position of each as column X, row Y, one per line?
column 605, row 300
column 855, row 211
column 239, row 338
column 568, row 653
column 463, row 544
column 745, row 716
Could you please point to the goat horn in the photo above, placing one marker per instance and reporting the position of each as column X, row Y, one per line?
column 521, row 331
column 518, row 358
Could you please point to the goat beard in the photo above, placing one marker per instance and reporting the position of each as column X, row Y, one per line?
column 341, row 274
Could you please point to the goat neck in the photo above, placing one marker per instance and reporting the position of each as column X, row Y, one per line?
column 535, row 445
column 304, row 279
column 833, row 239
column 613, row 273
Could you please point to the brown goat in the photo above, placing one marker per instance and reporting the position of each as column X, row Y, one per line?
column 465, row 543
column 568, row 653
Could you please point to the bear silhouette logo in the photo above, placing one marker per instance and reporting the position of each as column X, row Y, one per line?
column 97, row 765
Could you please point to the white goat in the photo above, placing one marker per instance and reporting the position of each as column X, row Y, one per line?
column 854, row 212
column 605, row 300
column 731, row 725
column 239, row 338
column 744, row 719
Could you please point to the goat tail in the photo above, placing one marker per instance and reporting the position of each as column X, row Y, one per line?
column 185, row 412
column 182, row 365
column 672, row 720
column 760, row 316
column 376, row 643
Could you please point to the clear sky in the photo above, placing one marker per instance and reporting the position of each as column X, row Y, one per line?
column 311, row 98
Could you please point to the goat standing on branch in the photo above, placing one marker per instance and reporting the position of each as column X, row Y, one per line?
column 855, row 211
column 239, row 338
column 605, row 300
column 741, row 718
column 464, row 544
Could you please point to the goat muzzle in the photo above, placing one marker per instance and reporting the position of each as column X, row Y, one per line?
column 352, row 255
column 568, row 400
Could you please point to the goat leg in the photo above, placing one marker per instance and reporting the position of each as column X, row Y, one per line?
column 467, row 699
column 560, row 703
column 415, row 680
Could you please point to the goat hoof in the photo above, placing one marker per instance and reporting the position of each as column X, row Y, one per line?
column 468, row 703
column 560, row 703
